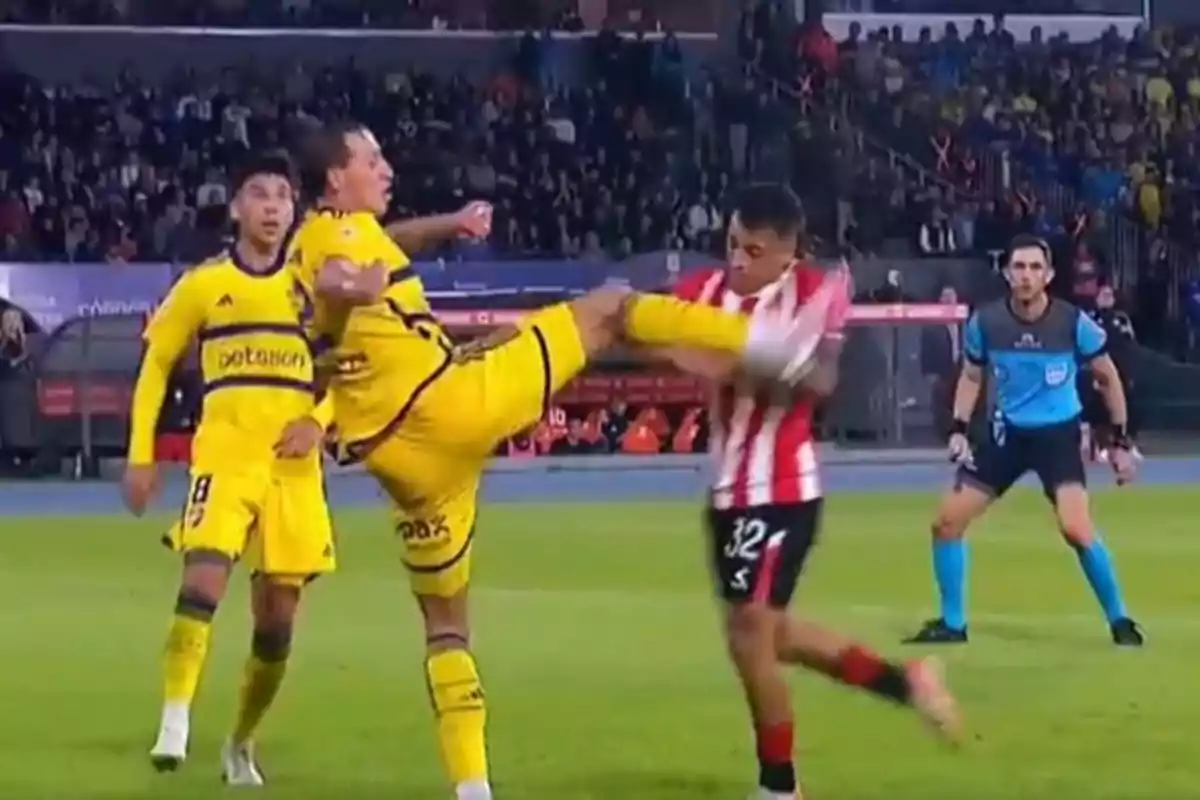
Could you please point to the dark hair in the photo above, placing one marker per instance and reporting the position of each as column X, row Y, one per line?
column 773, row 206
column 1024, row 240
column 266, row 162
column 319, row 149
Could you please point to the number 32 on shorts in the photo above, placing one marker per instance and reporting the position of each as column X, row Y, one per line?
column 748, row 543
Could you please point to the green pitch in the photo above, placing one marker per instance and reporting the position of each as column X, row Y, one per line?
column 599, row 648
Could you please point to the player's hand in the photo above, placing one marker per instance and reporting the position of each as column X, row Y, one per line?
column 299, row 438
column 474, row 220
column 1124, row 464
column 373, row 279
column 139, row 486
column 959, row 448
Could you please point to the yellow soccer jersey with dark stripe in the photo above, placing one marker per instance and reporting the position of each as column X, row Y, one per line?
column 254, row 357
column 380, row 356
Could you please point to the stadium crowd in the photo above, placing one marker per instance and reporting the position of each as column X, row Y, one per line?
column 985, row 137
column 137, row 172
column 1090, row 145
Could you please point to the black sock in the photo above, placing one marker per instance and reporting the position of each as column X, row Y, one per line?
column 777, row 777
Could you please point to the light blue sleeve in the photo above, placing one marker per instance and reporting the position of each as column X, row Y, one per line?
column 1090, row 338
column 974, row 347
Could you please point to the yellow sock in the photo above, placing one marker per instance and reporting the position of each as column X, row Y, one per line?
column 187, row 647
column 260, row 683
column 457, row 698
column 659, row 320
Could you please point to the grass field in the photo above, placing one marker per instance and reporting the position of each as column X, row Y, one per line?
column 606, row 678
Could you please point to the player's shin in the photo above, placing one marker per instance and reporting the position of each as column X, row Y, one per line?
column 1101, row 574
column 456, row 693
column 749, row 632
column 187, row 647
column 843, row 659
column 183, row 662
column 950, row 573
column 262, row 677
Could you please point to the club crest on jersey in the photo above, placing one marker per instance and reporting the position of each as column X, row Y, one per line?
column 1057, row 373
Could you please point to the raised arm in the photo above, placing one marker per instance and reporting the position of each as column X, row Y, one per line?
column 474, row 220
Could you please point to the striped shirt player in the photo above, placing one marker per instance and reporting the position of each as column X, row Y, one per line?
column 765, row 500
column 765, row 503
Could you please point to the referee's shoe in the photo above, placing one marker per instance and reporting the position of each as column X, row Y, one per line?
column 1127, row 633
column 936, row 631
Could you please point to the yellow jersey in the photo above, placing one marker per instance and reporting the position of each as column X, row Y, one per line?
column 254, row 359
column 380, row 356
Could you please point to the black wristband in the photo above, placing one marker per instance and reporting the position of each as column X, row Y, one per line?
column 1121, row 437
column 959, row 426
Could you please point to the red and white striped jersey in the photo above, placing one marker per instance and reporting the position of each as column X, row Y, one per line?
column 762, row 446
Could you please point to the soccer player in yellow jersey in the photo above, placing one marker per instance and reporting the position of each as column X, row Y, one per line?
column 425, row 416
column 256, row 489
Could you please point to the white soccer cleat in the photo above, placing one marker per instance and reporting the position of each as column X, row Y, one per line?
column 932, row 698
column 170, row 749
column 473, row 790
column 238, row 766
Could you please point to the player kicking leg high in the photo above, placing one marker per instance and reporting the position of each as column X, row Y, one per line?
column 765, row 505
column 256, row 484
column 1031, row 344
column 425, row 416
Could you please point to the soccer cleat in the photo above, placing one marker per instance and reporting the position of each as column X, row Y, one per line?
column 1127, row 633
column 767, row 794
column 170, row 750
column 936, row 631
column 932, row 699
column 238, row 765
column 473, row 790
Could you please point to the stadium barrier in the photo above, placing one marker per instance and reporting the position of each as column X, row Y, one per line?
column 1077, row 27
column 71, row 53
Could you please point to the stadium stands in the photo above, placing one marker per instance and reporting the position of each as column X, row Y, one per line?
column 1085, row 143
column 606, row 155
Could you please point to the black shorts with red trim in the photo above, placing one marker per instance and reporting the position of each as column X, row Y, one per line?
column 758, row 553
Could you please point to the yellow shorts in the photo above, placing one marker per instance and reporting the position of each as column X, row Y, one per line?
column 277, row 520
column 432, row 465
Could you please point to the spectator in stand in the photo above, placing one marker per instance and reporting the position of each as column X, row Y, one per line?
column 641, row 439
column 1086, row 274
column 888, row 292
column 14, row 340
column 617, row 165
column 687, row 434
column 575, row 442
column 616, row 423
column 521, row 446
column 936, row 236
